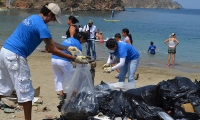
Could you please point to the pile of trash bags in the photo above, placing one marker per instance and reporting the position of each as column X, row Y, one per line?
column 177, row 98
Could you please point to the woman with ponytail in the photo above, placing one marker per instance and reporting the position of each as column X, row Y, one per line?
column 73, row 30
column 128, row 37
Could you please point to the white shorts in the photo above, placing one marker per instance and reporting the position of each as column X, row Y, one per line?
column 63, row 72
column 15, row 74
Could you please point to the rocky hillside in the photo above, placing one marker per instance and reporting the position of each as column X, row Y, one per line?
column 85, row 5
column 97, row 5
column 166, row 4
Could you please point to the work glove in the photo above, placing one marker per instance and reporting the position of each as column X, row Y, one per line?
column 107, row 70
column 105, row 65
column 73, row 50
column 81, row 60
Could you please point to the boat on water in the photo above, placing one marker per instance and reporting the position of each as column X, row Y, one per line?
column 64, row 37
column 107, row 20
column 3, row 9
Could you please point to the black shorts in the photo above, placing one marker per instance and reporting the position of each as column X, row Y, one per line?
column 171, row 50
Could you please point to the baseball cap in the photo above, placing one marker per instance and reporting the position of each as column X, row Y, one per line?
column 173, row 34
column 90, row 21
column 55, row 9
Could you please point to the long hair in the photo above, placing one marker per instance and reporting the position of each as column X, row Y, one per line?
column 73, row 19
column 125, row 30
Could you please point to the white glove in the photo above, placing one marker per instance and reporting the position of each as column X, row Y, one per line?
column 107, row 70
column 105, row 65
column 73, row 50
column 81, row 60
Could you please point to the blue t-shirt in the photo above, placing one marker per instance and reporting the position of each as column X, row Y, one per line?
column 27, row 36
column 126, row 50
column 69, row 42
column 152, row 49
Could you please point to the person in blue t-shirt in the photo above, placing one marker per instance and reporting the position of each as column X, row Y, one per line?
column 63, row 67
column 128, row 59
column 14, row 69
column 152, row 49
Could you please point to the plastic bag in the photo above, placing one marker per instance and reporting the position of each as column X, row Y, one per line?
column 81, row 101
column 67, row 78
column 122, row 85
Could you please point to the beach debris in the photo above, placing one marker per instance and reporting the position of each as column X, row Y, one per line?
column 37, row 92
column 9, row 102
column 9, row 110
column 43, row 108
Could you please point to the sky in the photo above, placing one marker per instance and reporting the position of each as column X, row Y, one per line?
column 191, row 4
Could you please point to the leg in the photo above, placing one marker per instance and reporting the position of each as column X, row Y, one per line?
column 27, row 109
column 132, row 67
column 173, row 59
column 93, row 49
column 123, row 71
column 57, row 76
column 88, row 45
column 168, row 60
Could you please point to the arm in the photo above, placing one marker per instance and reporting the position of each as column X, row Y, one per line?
column 165, row 42
column 72, row 31
column 53, row 49
column 129, row 41
column 108, row 61
column 177, row 42
column 120, row 64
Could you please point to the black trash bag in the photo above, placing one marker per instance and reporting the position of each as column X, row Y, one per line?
column 147, row 94
column 171, row 91
column 81, row 101
column 146, row 112
column 79, row 108
column 102, row 89
column 114, row 105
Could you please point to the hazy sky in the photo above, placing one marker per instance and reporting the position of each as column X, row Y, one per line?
column 192, row 4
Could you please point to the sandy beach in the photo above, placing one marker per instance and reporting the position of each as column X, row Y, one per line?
column 42, row 75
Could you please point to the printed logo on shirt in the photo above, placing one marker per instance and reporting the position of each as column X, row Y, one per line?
column 28, row 22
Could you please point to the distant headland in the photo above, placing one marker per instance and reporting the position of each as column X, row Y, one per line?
column 92, row 5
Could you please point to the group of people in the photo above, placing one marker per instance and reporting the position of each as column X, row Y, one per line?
column 171, row 42
column 14, row 69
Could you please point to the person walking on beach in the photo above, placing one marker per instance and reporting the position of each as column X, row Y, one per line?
column 128, row 37
column 171, row 42
column 152, row 49
column 128, row 59
column 14, row 69
column 62, row 66
column 91, row 30
column 73, row 29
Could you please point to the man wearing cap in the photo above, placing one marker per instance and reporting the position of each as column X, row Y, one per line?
column 14, row 69
column 91, row 29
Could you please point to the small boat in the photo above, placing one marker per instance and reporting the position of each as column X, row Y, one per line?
column 64, row 37
column 3, row 9
column 72, row 15
column 106, row 20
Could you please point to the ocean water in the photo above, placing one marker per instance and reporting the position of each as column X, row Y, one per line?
column 145, row 25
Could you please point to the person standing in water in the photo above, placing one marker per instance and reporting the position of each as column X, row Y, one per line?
column 171, row 42
column 112, row 14
column 152, row 49
column 127, row 35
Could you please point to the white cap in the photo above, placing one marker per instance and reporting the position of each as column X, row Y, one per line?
column 55, row 9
